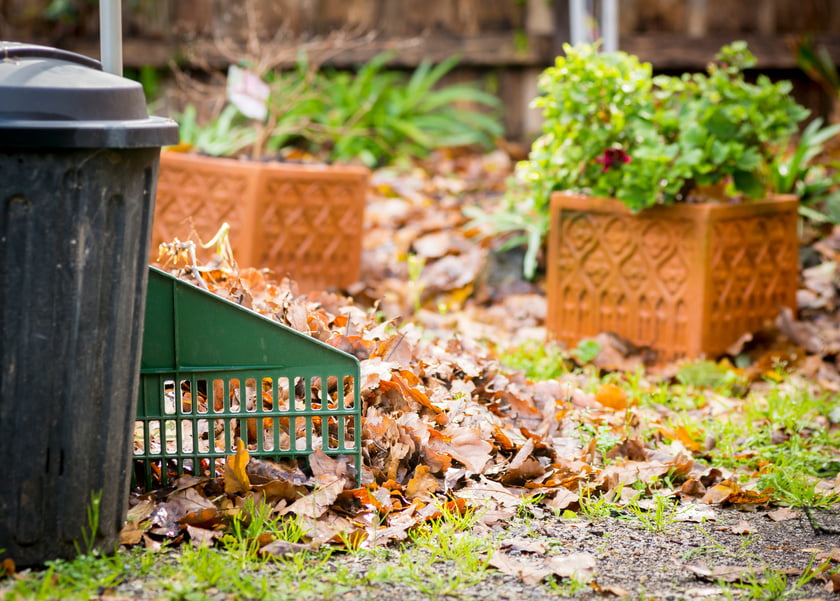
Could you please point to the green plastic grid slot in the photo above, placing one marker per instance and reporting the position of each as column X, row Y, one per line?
column 212, row 371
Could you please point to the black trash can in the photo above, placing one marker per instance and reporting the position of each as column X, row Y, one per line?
column 78, row 169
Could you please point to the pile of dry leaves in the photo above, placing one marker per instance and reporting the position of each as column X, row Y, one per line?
column 445, row 424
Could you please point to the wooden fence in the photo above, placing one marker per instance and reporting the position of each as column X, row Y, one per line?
column 508, row 40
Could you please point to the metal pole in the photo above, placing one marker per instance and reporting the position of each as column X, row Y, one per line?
column 110, row 36
column 577, row 22
column 609, row 24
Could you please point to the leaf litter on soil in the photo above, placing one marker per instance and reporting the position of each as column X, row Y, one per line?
column 447, row 426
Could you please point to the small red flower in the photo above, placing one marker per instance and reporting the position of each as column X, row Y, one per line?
column 613, row 157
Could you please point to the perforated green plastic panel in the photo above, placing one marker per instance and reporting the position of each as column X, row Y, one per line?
column 212, row 372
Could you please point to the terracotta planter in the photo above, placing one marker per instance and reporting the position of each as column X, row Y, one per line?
column 304, row 221
column 685, row 280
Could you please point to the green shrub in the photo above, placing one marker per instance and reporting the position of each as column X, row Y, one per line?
column 374, row 115
column 613, row 129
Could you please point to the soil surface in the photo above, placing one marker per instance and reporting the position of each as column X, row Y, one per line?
column 634, row 563
column 705, row 555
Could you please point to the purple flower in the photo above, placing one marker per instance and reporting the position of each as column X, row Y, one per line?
column 613, row 157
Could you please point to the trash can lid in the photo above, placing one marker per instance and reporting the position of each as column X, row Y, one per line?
column 53, row 98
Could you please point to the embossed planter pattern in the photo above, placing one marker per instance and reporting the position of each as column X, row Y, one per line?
column 684, row 280
column 304, row 221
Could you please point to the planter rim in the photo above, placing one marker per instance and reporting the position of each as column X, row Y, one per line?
column 577, row 200
column 273, row 164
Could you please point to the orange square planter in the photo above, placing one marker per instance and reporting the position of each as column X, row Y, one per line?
column 685, row 280
column 304, row 221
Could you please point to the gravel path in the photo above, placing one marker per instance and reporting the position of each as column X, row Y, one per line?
column 621, row 559
column 635, row 563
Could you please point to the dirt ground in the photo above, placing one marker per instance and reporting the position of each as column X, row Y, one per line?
column 682, row 563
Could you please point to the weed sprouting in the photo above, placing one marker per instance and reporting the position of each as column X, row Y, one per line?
column 661, row 513
column 90, row 531
column 597, row 507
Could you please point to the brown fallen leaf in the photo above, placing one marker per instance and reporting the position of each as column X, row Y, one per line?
column 729, row 574
column 831, row 555
column 750, row 497
column 489, row 494
column 131, row 534
column 805, row 334
column 563, row 499
column 201, row 516
column 833, row 583
column 529, row 571
column 720, row 493
column 141, row 511
column 236, row 478
column 782, row 514
column 282, row 548
column 276, row 490
column 468, row 447
column 581, row 566
column 7, row 567
column 743, row 527
column 528, row 471
column 151, row 544
column 615, row 591
column 136, row 522
column 422, row 485
column 397, row 528
column 612, row 397
column 692, row 488
column 315, row 504
column 522, row 545
column 321, row 464
column 261, row 471
column 202, row 537
column 170, row 518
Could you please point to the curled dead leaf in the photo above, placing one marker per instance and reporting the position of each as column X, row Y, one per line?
column 236, row 478
column 7, row 567
column 202, row 537
column 832, row 585
column 529, row 572
column 468, row 447
column 782, row 514
column 563, row 499
column 743, row 527
column 422, row 485
column 315, row 504
column 612, row 397
column 580, row 566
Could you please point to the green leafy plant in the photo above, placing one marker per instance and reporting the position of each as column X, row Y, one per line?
column 774, row 585
column 223, row 136
column 816, row 184
column 612, row 129
column 709, row 374
column 780, row 435
column 567, row 587
column 373, row 116
column 377, row 115
column 715, row 548
column 817, row 63
column 538, row 360
column 586, row 350
column 595, row 506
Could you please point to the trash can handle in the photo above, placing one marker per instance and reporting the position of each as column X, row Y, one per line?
column 14, row 51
